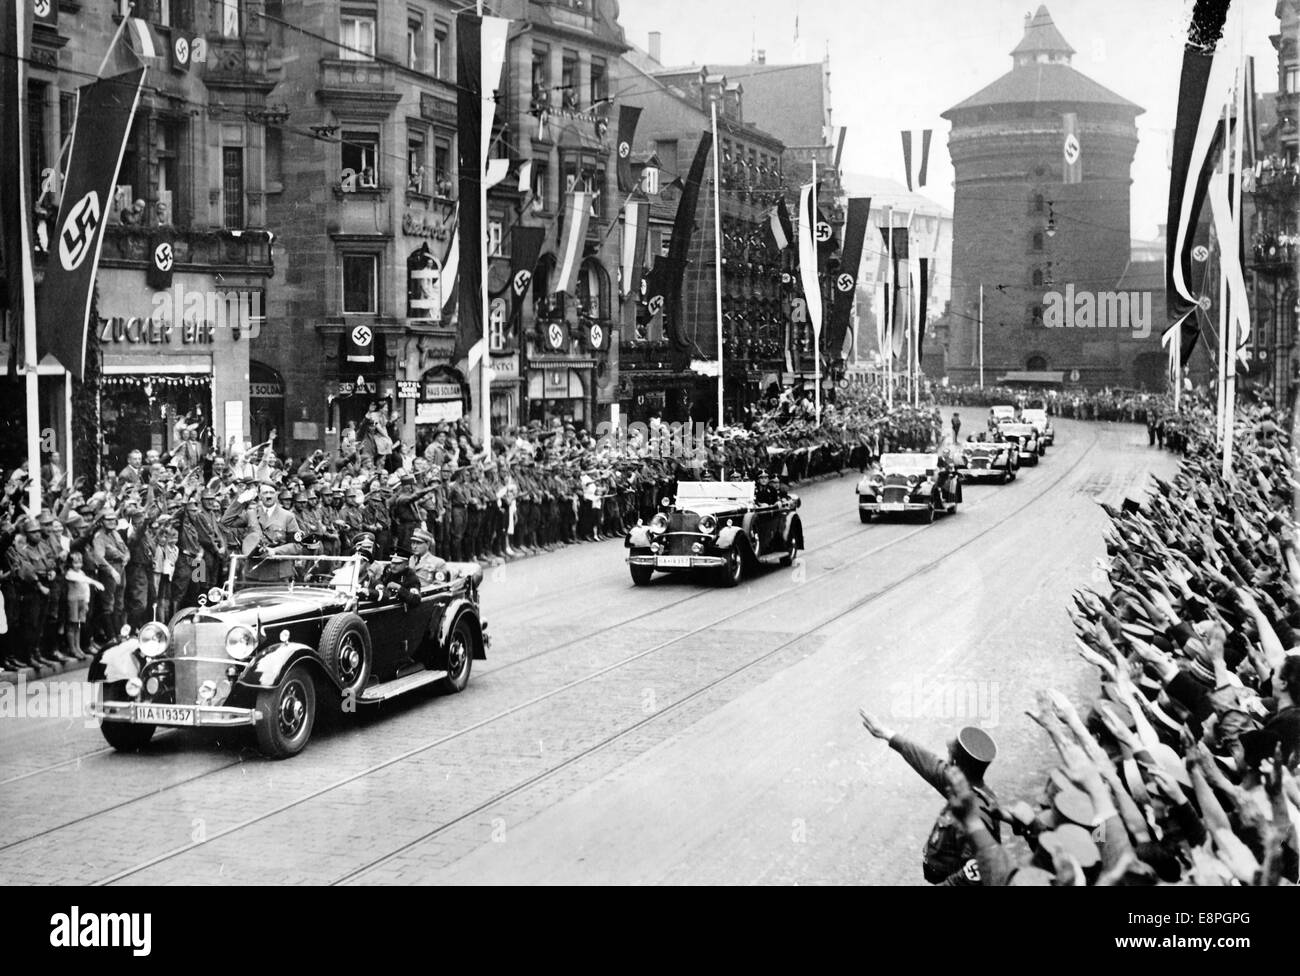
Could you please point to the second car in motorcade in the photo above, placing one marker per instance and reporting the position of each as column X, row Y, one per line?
column 1040, row 419
column 989, row 458
column 1025, row 437
column 909, row 483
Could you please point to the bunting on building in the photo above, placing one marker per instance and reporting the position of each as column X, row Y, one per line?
column 777, row 228
column 636, row 231
column 845, row 290
column 921, row 153
column 1071, row 151
column 808, row 248
column 577, row 214
column 628, row 115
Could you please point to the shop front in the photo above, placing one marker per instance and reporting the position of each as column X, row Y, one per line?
column 558, row 389
column 442, row 397
column 171, row 359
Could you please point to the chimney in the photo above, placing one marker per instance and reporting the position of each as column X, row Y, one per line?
column 761, row 57
column 656, row 45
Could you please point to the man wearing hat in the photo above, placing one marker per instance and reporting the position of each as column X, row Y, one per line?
column 949, row 857
column 424, row 563
column 398, row 580
column 405, row 508
column 111, row 553
column 211, row 538
column 25, row 562
column 268, row 530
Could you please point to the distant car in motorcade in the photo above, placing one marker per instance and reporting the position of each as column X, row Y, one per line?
column 1002, row 412
column 910, row 482
column 989, row 457
column 722, row 527
column 1026, row 439
column 1039, row 418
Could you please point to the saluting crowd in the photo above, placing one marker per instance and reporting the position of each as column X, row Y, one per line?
column 1183, row 768
column 151, row 538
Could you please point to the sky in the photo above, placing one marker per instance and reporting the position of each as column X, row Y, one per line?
column 896, row 64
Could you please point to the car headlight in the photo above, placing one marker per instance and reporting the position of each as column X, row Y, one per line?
column 153, row 639
column 240, row 642
column 216, row 594
column 708, row 523
column 659, row 523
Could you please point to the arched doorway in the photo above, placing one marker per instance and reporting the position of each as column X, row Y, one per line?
column 444, row 399
column 1036, row 364
column 265, row 403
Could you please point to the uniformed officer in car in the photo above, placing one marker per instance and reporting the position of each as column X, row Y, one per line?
column 398, row 581
column 949, row 857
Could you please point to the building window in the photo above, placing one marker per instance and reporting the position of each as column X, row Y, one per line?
column 1036, row 364
column 414, row 41
column 496, row 235
column 443, row 185
column 1035, row 313
column 541, row 76
column 666, row 150
column 171, row 206
column 440, row 51
column 360, row 151
column 599, row 81
column 36, row 129
column 357, row 36
column 232, row 187
column 1037, row 278
column 1291, row 80
column 569, row 80
column 360, row 280
column 596, row 185
column 1038, row 240
column 417, row 162
column 541, row 186
column 228, row 12
column 1039, row 203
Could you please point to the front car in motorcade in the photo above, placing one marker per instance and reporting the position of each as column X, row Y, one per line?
column 911, row 482
column 720, row 527
column 1002, row 412
column 1025, row 437
column 1040, row 419
column 988, row 457
column 262, row 654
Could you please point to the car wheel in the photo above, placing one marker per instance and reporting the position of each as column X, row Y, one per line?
column 933, row 510
column 458, row 657
column 865, row 517
column 730, row 574
column 123, row 736
column 288, row 712
column 641, row 574
column 345, row 649
column 1006, row 475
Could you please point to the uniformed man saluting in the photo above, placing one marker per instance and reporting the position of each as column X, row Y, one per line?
column 949, row 856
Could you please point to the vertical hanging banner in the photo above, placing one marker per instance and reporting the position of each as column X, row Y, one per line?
column 480, row 54
column 628, row 115
column 105, row 110
column 525, row 249
column 361, row 344
column 922, row 303
column 777, row 229
column 180, row 55
column 45, row 12
column 665, row 287
column 910, row 151
column 636, row 231
column 576, row 216
column 450, row 272
column 812, row 291
column 895, row 305
column 846, row 282
column 162, row 257
column 1071, row 152
column 1203, row 93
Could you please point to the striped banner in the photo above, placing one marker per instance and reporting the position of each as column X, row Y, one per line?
column 577, row 213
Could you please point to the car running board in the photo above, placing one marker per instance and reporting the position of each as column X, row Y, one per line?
column 399, row 686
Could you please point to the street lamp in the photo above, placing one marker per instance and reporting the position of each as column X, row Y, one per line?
column 1051, row 220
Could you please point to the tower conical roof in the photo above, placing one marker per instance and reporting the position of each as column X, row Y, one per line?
column 1042, row 37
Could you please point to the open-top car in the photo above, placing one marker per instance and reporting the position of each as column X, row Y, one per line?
column 1025, row 437
column 989, row 457
column 898, row 484
column 1002, row 412
column 1040, row 419
column 720, row 527
column 262, row 654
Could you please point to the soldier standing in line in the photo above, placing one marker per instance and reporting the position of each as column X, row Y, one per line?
column 458, row 500
column 26, row 564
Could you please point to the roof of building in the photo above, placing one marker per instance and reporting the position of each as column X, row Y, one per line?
column 1041, row 36
column 1034, row 81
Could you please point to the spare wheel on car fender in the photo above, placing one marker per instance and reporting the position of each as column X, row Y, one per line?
column 345, row 651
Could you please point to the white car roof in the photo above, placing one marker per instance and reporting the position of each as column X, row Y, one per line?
column 731, row 491
column 908, row 463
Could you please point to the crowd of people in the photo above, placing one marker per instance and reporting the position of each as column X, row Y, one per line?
column 1183, row 769
column 151, row 538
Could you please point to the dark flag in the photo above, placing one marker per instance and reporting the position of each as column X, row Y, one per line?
column 15, row 195
column 909, row 137
column 825, row 234
column 361, row 344
column 777, row 228
column 1189, row 179
column 45, row 12
column 181, row 53
column 895, row 301
column 846, row 282
column 525, row 249
column 1071, row 152
column 105, row 110
column 923, row 299
column 480, row 53
column 668, row 284
column 162, row 256
column 627, row 119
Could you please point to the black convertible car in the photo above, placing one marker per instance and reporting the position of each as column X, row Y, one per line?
column 909, row 483
column 719, row 527
column 261, row 654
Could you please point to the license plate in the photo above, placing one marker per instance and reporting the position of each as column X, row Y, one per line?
column 674, row 560
column 164, row 714
column 891, row 506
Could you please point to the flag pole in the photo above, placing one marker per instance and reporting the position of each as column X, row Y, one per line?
column 485, row 362
column 981, row 335
column 890, row 311
column 817, row 343
column 1230, row 396
column 717, row 249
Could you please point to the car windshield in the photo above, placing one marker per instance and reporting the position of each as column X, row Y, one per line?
column 342, row 574
column 1017, row 430
column 1035, row 416
column 1004, row 411
column 908, row 463
column 732, row 491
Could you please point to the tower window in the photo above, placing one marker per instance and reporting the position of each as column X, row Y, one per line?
column 1038, row 240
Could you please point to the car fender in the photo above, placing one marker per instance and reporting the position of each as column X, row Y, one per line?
column 793, row 527
column 117, row 662
column 638, row 537
column 727, row 537
column 272, row 664
column 454, row 611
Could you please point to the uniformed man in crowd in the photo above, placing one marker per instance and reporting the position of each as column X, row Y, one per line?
column 424, row 562
column 26, row 563
column 949, row 858
column 398, row 581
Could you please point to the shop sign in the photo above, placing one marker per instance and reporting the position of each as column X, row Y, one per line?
column 442, row 391
column 423, row 225
column 408, row 389
column 446, row 411
column 360, row 386
column 266, row 391
column 136, row 331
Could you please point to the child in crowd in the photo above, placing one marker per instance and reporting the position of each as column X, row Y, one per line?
column 78, row 601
